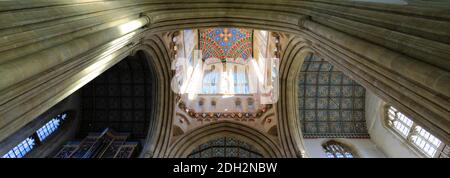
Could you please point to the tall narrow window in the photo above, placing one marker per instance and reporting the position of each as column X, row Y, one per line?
column 335, row 149
column 246, row 85
column 36, row 138
column 414, row 134
column 235, row 80
column 240, row 81
column 210, row 81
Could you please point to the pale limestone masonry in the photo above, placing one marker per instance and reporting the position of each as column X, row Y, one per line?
column 401, row 53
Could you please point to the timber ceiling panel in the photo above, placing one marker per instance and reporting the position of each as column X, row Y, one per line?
column 331, row 104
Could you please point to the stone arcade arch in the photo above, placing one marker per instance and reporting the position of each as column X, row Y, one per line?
column 225, row 147
column 377, row 45
column 184, row 145
column 161, row 126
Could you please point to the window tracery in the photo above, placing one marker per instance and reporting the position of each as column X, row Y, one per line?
column 334, row 149
column 414, row 134
column 36, row 138
column 225, row 147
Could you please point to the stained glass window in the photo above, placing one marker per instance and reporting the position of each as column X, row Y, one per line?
column 41, row 134
column 414, row 134
column 21, row 149
column 50, row 127
column 225, row 147
column 223, row 43
column 335, row 149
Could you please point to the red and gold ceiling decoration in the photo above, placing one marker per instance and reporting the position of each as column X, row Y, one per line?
column 226, row 44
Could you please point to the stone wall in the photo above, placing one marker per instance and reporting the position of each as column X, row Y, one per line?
column 401, row 53
column 52, row 143
column 385, row 139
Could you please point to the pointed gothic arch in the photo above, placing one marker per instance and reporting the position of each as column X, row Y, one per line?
column 184, row 145
column 357, row 45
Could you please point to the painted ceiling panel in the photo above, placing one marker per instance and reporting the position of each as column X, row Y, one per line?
column 331, row 104
column 222, row 43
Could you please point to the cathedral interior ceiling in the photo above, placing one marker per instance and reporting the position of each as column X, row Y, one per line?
column 331, row 104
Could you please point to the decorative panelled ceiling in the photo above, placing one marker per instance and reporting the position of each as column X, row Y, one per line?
column 120, row 98
column 330, row 103
column 223, row 43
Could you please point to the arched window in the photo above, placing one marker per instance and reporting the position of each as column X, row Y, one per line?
column 235, row 80
column 335, row 149
column 210, row 81
column 240, row 81
column 36, row 138
column 21, row 149
column 225, row 147
column 50, row 126
column 414, row 134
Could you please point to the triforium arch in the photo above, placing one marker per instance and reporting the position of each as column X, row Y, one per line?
column 381, row 47
column 184, row 145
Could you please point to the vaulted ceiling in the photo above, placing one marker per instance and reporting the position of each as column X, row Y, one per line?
column 330, row 103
